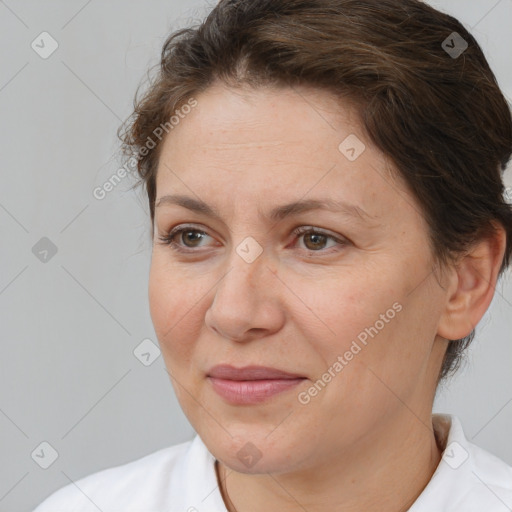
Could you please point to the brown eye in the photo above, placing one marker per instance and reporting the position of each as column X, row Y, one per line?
column 190, row 234
column 315, row 240
column 189, row 238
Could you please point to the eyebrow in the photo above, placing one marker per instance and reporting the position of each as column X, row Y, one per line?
column 277, row 213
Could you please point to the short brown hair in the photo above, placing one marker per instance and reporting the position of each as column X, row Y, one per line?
column 441, row 118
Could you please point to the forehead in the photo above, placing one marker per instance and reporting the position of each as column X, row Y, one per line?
column 272, row 145
column 255, row 117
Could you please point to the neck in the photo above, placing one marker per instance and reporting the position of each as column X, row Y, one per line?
column 384, row 472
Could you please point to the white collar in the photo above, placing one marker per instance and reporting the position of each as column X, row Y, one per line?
column 468, row 478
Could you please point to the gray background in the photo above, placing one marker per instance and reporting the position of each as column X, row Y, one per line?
column 70, row 324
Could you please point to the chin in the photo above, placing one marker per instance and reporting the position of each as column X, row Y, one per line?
column 253, row 451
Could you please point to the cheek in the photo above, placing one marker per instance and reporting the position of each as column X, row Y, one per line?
column 370, row 321
column 174, row 304
column 347, row 306
column 177, row 319
column 162, row 300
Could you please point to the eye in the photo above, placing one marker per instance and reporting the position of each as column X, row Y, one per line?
column 191, row 237
column 315, row 239
column 184, row 233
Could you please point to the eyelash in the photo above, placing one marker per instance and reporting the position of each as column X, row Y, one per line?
column 169, row 238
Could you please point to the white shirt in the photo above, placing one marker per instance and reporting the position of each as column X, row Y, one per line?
column 182, row 478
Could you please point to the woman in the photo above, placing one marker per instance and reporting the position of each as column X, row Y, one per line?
column 325, row 186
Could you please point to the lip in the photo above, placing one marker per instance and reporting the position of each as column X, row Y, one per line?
column 251, row 384
column 226, row 371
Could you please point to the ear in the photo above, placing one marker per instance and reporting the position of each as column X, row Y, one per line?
column 471, row 287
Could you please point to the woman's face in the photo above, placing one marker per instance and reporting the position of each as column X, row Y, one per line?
column 352, row 308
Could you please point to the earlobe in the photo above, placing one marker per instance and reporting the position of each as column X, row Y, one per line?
column 472, row 286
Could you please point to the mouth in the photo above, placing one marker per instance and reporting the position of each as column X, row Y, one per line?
column 251, row 384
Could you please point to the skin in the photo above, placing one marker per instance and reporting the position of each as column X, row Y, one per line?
column 365, row 441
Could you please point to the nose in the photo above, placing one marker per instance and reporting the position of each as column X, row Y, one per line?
column 247, row 302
